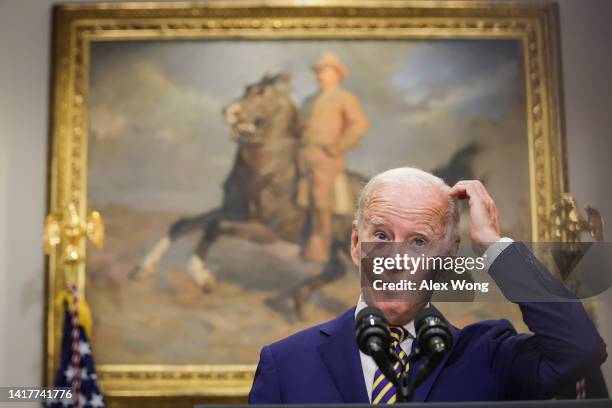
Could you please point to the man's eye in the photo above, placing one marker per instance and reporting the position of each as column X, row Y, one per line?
column 382, row 236
column 420, row 242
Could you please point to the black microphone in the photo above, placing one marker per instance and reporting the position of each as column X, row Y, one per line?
column 372, row 330
column 374, row 339
column 432, row 333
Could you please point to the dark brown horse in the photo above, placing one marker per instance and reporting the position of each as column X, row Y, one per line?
column 259, row 200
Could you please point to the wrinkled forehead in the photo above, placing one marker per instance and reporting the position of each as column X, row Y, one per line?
column 401, row 204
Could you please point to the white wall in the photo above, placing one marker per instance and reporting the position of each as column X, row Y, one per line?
column 24, row 74
column 587, row 64
column 24, row 52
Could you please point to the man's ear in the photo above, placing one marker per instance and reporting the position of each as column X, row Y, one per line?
column 355, row 245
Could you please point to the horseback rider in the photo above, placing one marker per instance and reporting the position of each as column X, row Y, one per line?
column 333, row 122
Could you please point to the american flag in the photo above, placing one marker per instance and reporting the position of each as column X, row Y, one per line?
column 76, row 369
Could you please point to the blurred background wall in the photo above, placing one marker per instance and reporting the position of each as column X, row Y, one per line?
column 25, row 36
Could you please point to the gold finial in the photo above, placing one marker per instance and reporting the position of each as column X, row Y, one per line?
column 68, row 229
column 568, row 227
column 569, row 224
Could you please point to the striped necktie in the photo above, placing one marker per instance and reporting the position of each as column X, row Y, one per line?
column 383, row 390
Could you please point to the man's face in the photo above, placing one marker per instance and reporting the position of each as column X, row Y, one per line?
column 394, row 213
column 327, row 76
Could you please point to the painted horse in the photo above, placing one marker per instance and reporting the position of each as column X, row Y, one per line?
column 259, row 194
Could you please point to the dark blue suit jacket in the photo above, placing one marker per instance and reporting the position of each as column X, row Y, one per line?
column 488, row 360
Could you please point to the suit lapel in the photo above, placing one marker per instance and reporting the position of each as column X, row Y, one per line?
column 422, row 391
column 340, row 355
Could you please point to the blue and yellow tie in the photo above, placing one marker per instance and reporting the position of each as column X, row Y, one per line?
column 383, row 390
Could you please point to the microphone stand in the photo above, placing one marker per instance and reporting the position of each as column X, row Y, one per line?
column 405, row 387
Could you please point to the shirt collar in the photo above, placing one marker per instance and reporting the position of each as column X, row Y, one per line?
column 361, row 304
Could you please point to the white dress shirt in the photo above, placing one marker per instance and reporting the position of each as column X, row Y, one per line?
column 368, row 365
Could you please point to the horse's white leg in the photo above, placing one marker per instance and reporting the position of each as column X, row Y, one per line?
column 198, row 271
column 149, row 262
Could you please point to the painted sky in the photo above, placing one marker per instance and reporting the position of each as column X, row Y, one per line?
column 158, row 140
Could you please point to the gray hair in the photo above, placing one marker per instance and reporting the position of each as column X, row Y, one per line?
column 409, row 176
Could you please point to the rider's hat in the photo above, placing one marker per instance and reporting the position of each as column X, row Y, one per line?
column 329, row 59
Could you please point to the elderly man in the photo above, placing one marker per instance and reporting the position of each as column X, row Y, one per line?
column 488, row 360
column 333, row 123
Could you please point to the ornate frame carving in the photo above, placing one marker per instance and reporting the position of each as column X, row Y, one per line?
column 535, row 25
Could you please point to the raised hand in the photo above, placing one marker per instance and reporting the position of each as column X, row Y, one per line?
column 484, row 216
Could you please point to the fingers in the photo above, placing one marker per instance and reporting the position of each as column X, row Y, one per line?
column 458, row 191
column 473, row 189
column 484, row 216
column 478, row 197
column 467, row 186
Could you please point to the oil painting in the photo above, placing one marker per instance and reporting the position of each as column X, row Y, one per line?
column 227, row 201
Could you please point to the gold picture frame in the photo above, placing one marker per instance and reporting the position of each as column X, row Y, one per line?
column 75, row 26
